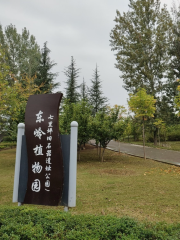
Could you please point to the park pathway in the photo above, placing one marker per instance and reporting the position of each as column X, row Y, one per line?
column 161, row 155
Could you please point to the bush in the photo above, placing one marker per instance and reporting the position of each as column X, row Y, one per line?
column 173, row 133
column 4, row 145
column 27, row 223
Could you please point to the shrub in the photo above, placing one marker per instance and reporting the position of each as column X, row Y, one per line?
column 27, row 223
column 7, row 145
column 173, row 133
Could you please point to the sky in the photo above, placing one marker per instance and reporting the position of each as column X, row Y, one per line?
column 75, row 28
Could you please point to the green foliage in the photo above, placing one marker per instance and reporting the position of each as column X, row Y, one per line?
column 105, row 126
column 173, row 133
column 117, row 115
column 44, row 77
column 21, row 50
column 8, row 144
column 101, row 128
column 127, row 127
column 26, row 223
column 72, row 74
column 81, row 113
column 141, row 39
column 66, row 117
column 174, row 51
column 136, row 128
column 95, row 93
column 177, row 99
column 142, row 104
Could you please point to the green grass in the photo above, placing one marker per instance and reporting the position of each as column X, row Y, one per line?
column 170, row 145
column 121, row 186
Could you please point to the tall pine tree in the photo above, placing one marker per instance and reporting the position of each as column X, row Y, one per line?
column 96, row 98
column 44, row 74
column 72, row 73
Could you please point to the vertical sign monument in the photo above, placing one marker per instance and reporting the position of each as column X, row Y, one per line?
column 45, row 161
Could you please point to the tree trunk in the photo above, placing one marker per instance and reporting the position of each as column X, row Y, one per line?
column 102, row 159
column 158, row 136
column 100, row 152
column 97, row 149
column 119, row 147
column 155, row 136
column 144, row 141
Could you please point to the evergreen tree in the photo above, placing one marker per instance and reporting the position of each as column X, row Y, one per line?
column 44, row 74
column 141, row 39
column 84, row 91
column 72, row 87
column 96, row 98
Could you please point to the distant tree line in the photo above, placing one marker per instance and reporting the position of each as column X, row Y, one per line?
column 146, row 41
column 25, row 69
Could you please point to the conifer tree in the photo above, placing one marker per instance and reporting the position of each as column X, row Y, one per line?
column 72, row 73
column 84, row 91
column 44, row 74
column 96, row 98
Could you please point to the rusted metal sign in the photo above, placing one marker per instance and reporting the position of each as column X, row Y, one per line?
column 45, row 162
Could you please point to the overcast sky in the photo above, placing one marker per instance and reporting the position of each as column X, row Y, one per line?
column 75, row 28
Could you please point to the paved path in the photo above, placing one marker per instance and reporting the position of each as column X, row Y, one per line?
column 162, row 155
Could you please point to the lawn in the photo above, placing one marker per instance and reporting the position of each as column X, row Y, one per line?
column 121, row 186
column 170, row 145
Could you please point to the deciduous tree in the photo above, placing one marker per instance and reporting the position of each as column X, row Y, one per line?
column 21, row 50
column 81, row 114
column 143, row 105
column 104, row 127
column 141, row 39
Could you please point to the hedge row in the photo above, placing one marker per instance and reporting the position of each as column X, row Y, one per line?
column 4, row 145
column 29, row 223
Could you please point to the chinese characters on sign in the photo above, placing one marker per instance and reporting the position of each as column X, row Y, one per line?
column 38, row 150
column 45, row 163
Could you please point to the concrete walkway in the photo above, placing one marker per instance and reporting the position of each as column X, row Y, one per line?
column 161, row 155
